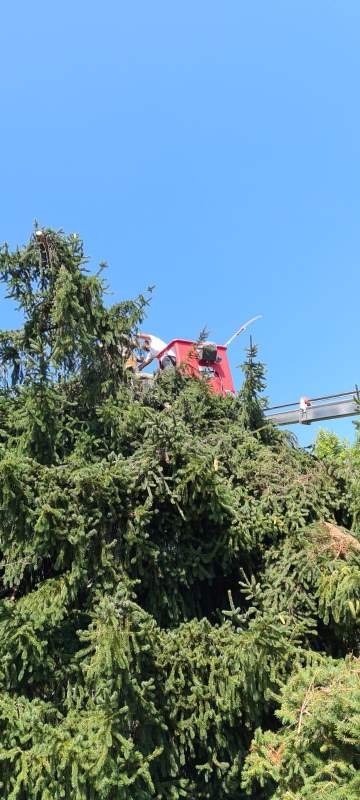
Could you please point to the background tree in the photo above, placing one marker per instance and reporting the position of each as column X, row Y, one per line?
column 252, row 403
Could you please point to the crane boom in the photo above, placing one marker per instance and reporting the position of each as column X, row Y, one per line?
column 320, row 408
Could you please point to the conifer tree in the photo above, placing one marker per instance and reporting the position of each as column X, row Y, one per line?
column 180, row 586
column 252, row 402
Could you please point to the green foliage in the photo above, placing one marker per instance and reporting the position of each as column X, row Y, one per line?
column 343, row 462
column 252, row 404
column 316, row 753
column 330, row 448
column 175, row 573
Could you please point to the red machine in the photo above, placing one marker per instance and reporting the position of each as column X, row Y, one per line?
column 205, row 359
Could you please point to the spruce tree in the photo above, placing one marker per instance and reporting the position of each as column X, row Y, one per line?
column 250, row 396
column 180, row 590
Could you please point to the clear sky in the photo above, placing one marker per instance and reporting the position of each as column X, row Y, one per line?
column 210, row 148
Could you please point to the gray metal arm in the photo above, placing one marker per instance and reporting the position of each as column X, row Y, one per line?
column 332, row 407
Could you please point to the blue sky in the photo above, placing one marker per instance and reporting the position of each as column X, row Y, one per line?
column 211, row 149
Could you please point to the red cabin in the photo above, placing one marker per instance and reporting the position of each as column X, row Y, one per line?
column 207, row 359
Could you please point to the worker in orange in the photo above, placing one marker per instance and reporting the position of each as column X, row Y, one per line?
column 153, row 346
